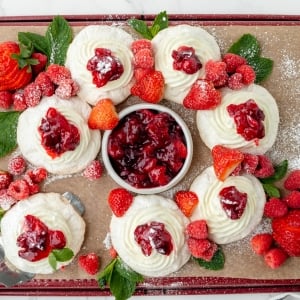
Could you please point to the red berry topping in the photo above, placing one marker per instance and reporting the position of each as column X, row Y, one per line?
column 261, row 243
column 17, row 165
column 46, row 85
column 19, row 103
column 119, row 201
column 235, row 81
column 186, row 60
column 37, row 240
column 197, row 229
column 153, row 236
column 216, row 72
column 57, row 134
column 93, row 171
column 202, row 248
column 58, row 73
column 6, row 201
column 144, row 59
column 248, row 118
column 32, row 94
column 233, row 202
column 186, row 201
column 202, row 95
column 293, row 199
column 275, row 257
column 19, row 189
column 292, row 182
column 264, row 168
column 90, row 263
column 104, row 67
column 275, row 208
column 248, row 74
column 137, row 45
column 5, row 99
column 233, row 61
column 5, row 179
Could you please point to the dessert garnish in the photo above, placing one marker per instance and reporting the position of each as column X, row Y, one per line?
column 90, row 263
column 186, row 201
column 119, row 200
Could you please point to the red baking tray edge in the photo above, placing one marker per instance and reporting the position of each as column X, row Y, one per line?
column 165, row 285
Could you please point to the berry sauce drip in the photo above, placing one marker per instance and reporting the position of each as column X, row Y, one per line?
column 104, row 67
column 248, row 118
column 233, row 202
column 37, row 240
column 57, row 134
column 186, row 60
column 153, row 236
column 147, row 148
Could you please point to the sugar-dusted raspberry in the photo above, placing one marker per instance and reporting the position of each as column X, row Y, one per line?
column 19, row 189
column 46, row 85
column 33, row 187
column 58, row 73
column 5, row 99
column 17, row 165
column 216, row 72
column 93, row 170
column 248, row 74
column 235, row 81
column 37, row 175
column 144, row 59
column 5, row 179
column 233, row 61
column 137, row 45
column 19, row 103
column 6, row 201
column 264, row 168
column 66, row 89
column 32, row 94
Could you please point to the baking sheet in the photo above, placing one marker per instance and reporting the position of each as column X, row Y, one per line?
column 243, row 271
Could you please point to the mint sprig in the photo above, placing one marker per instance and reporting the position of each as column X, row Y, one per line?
column 8, row 131
column 54, row 44
column 248, row 47
column 160, row 22
column 120, row 278
column 216, row 263
column 59, row 255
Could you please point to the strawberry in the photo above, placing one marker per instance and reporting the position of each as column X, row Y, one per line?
column 286, row 232
column 202, row 248
column 119, row 200
column 12, row 77
column 202, row 95
column 90, row 263
column 293, row 199
column 5, row 179
column 186, row 201
column 233, row 61
column 150, row 87
column 275, row 208
column 41, row 62
column 275, row 257
column 197, row 229
column 264, row 168
column 250, row 163
column 292, row 182
column 225, row 160
column 103, row 115
column 5, row 99
column 261, row 243
column 93, row 171
column 141, row 72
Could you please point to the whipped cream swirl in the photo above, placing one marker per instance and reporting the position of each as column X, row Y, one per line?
column 145, row 209
column 178, row 83
column 29, row 139
column 82, row 49
column 53, row 210
column 222, row 229
column 217, row 127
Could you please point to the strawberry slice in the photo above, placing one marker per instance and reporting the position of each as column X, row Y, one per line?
column 150, row 87
column 186, row 201
column 202, row 96
column 103, row 115
column 119, row 200
column 90, row 263
column 261, row 243
column 225, row 160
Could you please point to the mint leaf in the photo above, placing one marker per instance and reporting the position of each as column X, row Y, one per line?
column 271, row 190
column 35, row 40
column 127, row 272
column 8, row 131
column 140, row 27
column 160, row 22
column 105, row 276
column 279, row 172
column 60, row 255
column 216, row 263
column 52, row 261
column 121, row 287
column 262, row 67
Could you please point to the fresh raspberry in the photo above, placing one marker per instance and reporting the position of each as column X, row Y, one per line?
column 265, row 167
column 5, row 179
column 32, row 94
column 139, row 73
column 248, row 74
column 46, row 85
column 37, row 175
column 186, row 201
column 275, row 257
column 293, row 199
column 90, row 263
column 250, row 163
column 275, row 208
column 17, row 165
column 144, row 59
column 6, row 201
column 202, row 248
column 113, row 252
column 235, row 81
column 42, row 62
column 216, row 72
column 93, row 171
column 197, row 229
column 119, row 201
column 292, row 182
column 64, row 90
column 33, row 187
column 137, row 45
column 19, row 103
column 202, row 95
column 233, row 61
column 261, row 243
column 19, row 189
column 5, row 99
column 58, row 73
